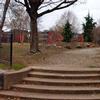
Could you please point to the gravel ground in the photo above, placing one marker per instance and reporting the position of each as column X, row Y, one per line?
column 75, row 58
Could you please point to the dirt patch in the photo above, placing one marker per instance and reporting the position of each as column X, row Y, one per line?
column 76, row 58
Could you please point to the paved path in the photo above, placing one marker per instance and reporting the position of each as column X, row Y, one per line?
column 75, row 58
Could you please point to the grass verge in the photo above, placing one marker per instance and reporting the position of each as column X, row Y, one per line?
column 13, row 67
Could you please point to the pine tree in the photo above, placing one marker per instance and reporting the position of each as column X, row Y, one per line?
column 67, row 32
column 87, row 28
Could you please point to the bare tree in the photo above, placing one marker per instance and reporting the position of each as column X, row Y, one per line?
column 71, row 18
column 6, row 5
column 35, row 9
column 19, row 18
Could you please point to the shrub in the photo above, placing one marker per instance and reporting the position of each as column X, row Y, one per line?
column 17, row 66
column 2, row 66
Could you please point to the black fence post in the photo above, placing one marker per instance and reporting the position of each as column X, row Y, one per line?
column 0, row 40
column 1, row 80
column 11, row 49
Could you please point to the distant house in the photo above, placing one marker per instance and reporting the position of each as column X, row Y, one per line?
column 96, row 35
column 78, row 38
column 43, row 36
column 20, row 35
column 54, row 38
column 5, row 37
column 50, row 37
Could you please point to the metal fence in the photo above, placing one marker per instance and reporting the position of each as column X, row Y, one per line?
column 6, row 48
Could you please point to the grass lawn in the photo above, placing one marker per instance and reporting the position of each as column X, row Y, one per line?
column 22, row 56
column 52, row 55
column 5, row 51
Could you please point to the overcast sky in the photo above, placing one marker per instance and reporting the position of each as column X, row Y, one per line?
column 80, row 10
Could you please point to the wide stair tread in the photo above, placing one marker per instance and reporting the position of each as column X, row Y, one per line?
column 42, row 96
column 57, row 89
column 69, row 88
column 61, row 75
column 60, row 80
column 57, row 84
column 66, row 70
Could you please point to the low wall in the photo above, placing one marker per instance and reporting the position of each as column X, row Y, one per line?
column 11, row 78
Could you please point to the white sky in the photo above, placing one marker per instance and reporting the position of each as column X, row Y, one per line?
column 80, row 10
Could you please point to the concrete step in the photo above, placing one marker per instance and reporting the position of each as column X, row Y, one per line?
column 61, row 82
column 57, row 89
column 57, row 83
column 2, row 98
column 42, row 96
column 66, row 70
column 63, row 76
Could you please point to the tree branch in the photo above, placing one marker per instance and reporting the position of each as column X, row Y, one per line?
column 26, row 4
column 6, row 5
column 49, row 3
column 58, row 7
column 18, row 1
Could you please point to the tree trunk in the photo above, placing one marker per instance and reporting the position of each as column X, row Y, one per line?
column 4, row 13
column 4, row 17
column 0, row 37
column 34, row 35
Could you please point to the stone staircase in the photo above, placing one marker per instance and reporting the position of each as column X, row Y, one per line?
column 44, row 83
